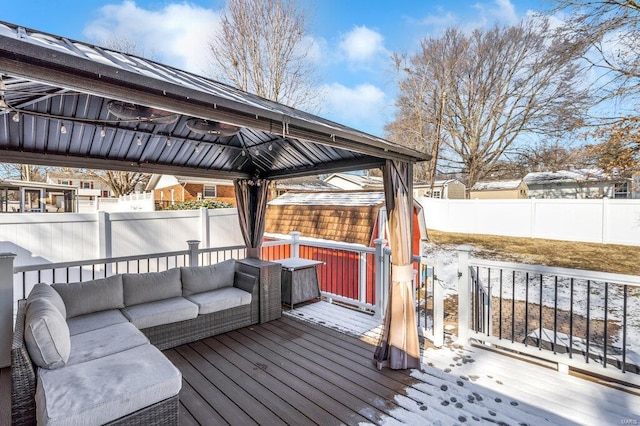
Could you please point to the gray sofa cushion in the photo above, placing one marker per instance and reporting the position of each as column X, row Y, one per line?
column 151, row 286
column 161, row 312
column 46, row 291
column 106, row 388
column 221, row 299
column 104, row 341
column 91, row 296
column 46, row 335
column 95, row 321
column 206, row 278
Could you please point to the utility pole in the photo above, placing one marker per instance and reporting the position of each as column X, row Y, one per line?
column 436, row 146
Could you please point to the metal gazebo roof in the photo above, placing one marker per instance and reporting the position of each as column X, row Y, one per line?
column 62, row 102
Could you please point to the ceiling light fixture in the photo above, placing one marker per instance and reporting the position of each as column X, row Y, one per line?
column 63, row 128
column 139, row 141
column 133, row 112
column 205, row 127
column 16, row 117
column 103, row 132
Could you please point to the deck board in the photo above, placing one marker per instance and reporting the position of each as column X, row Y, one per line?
column 312, row 366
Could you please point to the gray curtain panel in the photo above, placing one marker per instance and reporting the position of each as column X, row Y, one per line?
column 251, row 200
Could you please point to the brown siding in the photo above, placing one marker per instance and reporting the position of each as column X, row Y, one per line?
column 177, row 195
column 336, row 223
column 225, row 191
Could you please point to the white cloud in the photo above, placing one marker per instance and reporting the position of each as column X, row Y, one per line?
column 362, row 45
column 471, row 17
column 445, row 20
column 361, row 106
column 501, row 11
column 177, row 34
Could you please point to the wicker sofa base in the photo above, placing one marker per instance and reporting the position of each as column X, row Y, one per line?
column 161, row 413
column 182, row 332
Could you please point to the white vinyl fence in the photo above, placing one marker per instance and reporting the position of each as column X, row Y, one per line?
column 44, row 237
column 136, row 202
column 608, row 221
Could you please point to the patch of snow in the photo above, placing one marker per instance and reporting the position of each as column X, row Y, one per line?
column 496, row 185
column 576, row 175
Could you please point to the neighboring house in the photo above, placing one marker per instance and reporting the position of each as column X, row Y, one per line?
column 447, row 189
column 170, row 189
column 308, row 183
column 500, row 189
column 89, row 188
column 17, row 196
column 635, row 186
column 577, row 183
column 349, row 181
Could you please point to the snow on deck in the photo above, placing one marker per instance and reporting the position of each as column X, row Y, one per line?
column 482, row 386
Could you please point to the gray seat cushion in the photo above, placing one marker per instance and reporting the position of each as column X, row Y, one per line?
column 105, row 341
column 46, row 291
column 151, row 286
column 105, row 389
column 91, row 296
column 46, row 334
column 161, row 312
column 221, row 299
column 206, row 278
column 95, row 321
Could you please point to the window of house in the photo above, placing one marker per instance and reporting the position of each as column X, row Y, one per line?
column 621, row 190
column 105, row 194
column 85, row 185
column 436, row 193
column 209, row 191
column 65, row 182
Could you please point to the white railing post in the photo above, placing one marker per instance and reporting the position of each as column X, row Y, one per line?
column 464, row 294
column 438, row 307
column 6, row 307
column 379, row 270
column 362, row 277
column 193, row 252
column 295, row 244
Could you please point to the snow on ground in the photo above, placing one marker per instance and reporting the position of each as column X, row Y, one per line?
column 446, row 262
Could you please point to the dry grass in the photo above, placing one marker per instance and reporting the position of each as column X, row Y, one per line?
column 567, row 254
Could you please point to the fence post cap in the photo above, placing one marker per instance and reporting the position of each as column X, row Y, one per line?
column 464, row 247
column 379, row 241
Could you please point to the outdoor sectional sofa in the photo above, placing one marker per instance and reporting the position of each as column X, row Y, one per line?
column 90, row 352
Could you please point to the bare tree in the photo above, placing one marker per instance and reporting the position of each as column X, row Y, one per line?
column 121, row 183
column 262, row 48
column 607, row 35
column 26, row 172
column 500, row 84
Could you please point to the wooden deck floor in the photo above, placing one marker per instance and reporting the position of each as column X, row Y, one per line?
column 292, row 371
column 314, row 367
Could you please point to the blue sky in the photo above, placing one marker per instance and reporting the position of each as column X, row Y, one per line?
column 351, row 39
